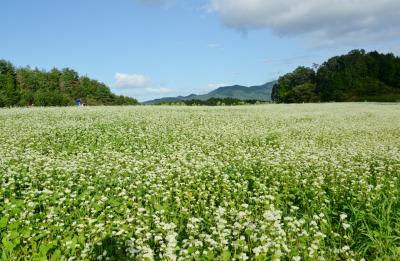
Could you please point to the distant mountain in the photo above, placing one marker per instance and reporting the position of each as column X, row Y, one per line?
column 260, row 92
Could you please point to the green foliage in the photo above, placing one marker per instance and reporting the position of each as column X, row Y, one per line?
column 8, row 94
column 289, row 87
column 27, row 86
column 357, row 76
column 51, row 98
column 213, row 102
column 304, row 92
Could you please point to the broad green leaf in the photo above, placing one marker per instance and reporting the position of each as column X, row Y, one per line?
column 3, row 222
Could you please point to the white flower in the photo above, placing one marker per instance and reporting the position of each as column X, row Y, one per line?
column 345, row 226
column 257, row 251
column 243, row 256
column 345, row 248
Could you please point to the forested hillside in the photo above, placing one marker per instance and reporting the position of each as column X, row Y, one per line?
column 28, row 86
column 357, row 76
column 235, row 92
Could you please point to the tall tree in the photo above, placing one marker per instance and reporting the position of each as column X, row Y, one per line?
column 287, row 85
column 8, row 93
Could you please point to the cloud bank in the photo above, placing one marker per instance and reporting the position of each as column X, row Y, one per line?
column 138, row 84
column 326, row 20
column 131, row 81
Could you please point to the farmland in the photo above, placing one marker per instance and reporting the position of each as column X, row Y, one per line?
column 269, row 182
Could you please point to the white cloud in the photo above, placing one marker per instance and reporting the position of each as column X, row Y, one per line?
column 131, row 81
column 213, row 86
column 325, row 21
column 137, row 84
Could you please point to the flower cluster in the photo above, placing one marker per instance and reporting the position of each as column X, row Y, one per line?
column 270, row 182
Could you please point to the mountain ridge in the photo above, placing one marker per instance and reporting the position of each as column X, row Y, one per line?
column 257, row 92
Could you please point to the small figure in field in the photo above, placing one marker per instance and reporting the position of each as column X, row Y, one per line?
column 78, row 102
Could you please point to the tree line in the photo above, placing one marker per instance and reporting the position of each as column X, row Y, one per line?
column 31, row 86
column 356, row 76
column 213, row 102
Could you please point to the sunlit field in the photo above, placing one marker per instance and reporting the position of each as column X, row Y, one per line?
column 268, row 182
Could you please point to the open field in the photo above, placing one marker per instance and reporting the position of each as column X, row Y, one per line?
column 288, row 182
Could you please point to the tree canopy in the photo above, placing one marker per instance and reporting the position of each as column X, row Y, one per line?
column 28, row 86
column 356, row 76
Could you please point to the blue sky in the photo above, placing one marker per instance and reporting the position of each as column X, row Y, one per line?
column 155, row 48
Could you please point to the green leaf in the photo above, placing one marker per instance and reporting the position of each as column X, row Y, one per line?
column 226, row 255
column 7, row 244
column 3, row 222
column 14, row 234
column 44, row 248
column 14, row 226
column 210, row 255
column 56, row 255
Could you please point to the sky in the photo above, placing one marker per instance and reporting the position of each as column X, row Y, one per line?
column 155, row 48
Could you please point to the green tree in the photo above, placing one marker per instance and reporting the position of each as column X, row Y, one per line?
column 356, row 76
column 359, row 76
column 287, row 88
column 8, row 93
column 25, row 86
column 303, row 93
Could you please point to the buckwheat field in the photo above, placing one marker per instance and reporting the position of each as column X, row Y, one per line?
column 269, row 182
